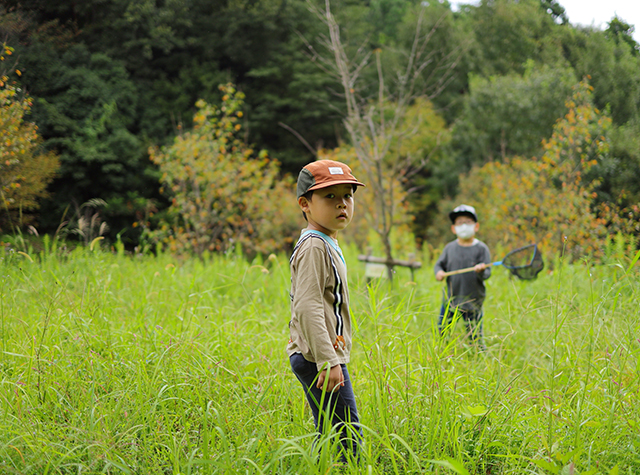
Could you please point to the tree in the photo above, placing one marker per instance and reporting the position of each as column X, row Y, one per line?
column 612, row 67
column 222, row 196
column 618, row 189
column 547, row 200
column 25, row 170
column 85, row 106
column 510, row 115
column 110, row 77
column 509, row 33
column 556, row 10
column 622, row 32
column 379, row 126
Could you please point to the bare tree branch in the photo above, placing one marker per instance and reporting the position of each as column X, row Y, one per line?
column 300, row 138
column 378, row 125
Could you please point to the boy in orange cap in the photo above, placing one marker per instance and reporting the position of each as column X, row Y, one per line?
column 320, row 327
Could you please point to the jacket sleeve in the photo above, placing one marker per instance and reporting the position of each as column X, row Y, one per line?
column 308, row 305
column 441, row 263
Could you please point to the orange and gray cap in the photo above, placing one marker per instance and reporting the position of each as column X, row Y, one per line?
column 324, row 173
column 463, row 210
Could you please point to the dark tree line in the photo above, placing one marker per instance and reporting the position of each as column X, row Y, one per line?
column 111, row 78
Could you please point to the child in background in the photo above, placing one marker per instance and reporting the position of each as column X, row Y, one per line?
column 320, row 327
column 465, row 292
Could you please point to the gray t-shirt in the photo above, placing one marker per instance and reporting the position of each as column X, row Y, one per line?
column 467, row 290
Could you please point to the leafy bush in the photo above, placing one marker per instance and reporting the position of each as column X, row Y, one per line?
column 547, row 200
column 25, row 171
column 222, row 195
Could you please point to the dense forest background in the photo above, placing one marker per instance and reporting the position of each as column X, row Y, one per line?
column 520, row 90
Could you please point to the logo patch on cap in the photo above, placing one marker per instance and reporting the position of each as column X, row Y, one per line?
column 336, row 171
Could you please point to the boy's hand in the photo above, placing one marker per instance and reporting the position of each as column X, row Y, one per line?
column 336, row 378
column 440, row 275
column 480, row 267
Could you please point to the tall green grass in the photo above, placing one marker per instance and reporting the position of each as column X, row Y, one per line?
column 153, row 365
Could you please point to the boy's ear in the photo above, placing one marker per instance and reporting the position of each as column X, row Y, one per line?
column 477, row 227
column 453, row 228
column 303, row 202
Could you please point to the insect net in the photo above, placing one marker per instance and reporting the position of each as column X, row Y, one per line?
column 525, row 262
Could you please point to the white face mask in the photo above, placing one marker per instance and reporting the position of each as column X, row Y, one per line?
column 465, row 231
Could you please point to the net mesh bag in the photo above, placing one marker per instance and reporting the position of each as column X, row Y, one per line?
column 525, row 262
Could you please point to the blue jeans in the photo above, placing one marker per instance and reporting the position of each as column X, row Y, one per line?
column 473, row 321
column 340, row 405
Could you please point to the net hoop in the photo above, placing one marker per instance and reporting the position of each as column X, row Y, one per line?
column 528, row 270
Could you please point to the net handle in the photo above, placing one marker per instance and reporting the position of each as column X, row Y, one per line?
column 468, row 269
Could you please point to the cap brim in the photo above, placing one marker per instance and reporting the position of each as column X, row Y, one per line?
column 319, row 186
column 453, row 216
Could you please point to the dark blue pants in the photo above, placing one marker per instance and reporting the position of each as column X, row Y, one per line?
column 339, row 405
column 473, row 321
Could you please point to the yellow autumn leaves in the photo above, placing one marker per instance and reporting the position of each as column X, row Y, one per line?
column 223, row 196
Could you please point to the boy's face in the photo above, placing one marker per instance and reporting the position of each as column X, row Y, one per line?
column 330, row 209
column 468, row 221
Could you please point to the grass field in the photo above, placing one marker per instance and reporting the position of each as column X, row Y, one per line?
column 152, row 365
